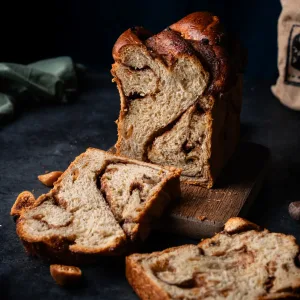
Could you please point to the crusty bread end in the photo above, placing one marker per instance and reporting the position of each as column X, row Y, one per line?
column 65, row 275
column 24, row 201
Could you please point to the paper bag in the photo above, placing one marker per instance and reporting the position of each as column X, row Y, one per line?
column 287, row 87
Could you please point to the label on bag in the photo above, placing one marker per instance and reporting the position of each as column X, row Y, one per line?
column 292, row 68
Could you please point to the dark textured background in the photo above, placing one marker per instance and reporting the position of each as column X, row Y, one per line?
column 86, row 30
column 48, row 137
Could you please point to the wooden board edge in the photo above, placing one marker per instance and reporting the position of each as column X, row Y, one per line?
column 256, row 188
column 188, row 227
column 197, row 229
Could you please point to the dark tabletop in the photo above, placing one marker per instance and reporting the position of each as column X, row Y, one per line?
column 48, row 137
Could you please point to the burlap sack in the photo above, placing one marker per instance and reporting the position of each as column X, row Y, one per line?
column 287, row 87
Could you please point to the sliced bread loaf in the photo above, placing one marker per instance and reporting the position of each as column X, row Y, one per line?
column 99, row 205
column 242, row 262
column 181, row 93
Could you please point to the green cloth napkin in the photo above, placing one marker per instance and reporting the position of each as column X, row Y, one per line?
column 52, row 79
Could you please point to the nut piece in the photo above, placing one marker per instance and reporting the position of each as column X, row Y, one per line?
column 23, row 201
column 65, row 275
column 294, row 210
column 202, row 218
column 237, row 224
column 50, row 178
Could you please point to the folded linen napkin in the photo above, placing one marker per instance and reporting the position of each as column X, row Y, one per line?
column 54, row 79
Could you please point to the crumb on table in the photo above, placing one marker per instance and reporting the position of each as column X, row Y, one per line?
column 201, row 218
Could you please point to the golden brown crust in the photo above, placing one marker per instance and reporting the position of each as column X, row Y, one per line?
column 168, row 45
column 236, row 224
column 24, row 201
column 200, row 25
column 132, row 36
column 144, row 287
column 123, row 110
column 65, row 275
column 49, row 178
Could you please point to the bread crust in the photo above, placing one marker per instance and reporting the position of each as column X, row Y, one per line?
column 237, row 224
column 24, row 201
column 146, row 288
column 59, row 249
column 48, row 179
column 65, row 275
column 168, row 45
column 142, row 284
column 132, row 36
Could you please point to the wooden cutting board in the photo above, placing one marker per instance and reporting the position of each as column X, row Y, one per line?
column 202, row 212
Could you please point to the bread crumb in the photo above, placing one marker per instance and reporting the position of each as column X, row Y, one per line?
column 50, row 178
column 201, row 218
column 65, row 275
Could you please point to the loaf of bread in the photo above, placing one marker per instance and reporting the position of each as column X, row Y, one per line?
column 181, row 95
column 242, row 262
column 100, row 205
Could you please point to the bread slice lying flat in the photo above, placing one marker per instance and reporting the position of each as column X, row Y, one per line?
column 100, row 205
column 181, row 96
column 242, row 262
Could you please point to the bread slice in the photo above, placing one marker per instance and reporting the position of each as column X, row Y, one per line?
column 181, row 94
column 242, row 262
column 100, row 205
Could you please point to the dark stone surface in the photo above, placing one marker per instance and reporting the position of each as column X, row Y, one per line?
column 49, row 137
